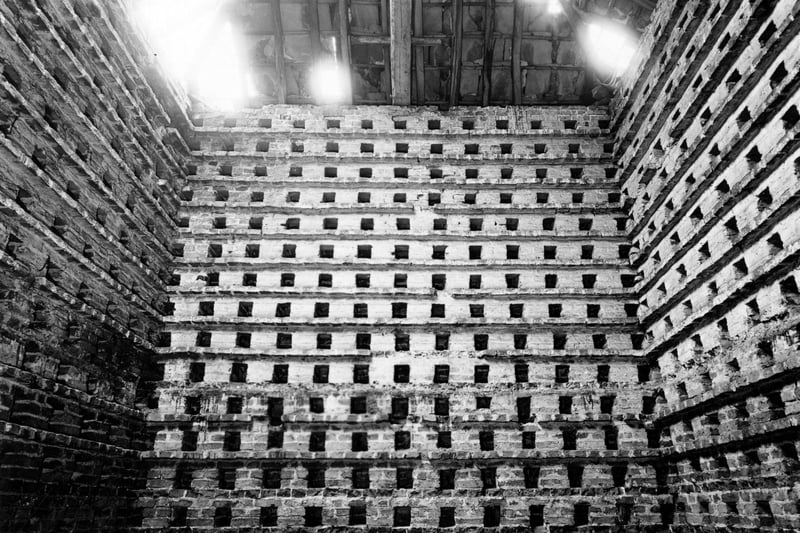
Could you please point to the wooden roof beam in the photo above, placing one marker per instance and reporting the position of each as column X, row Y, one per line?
column 280, row 61
column 400, row 27
column 516, row 52
column 455, row 63
column 313, row 20
column 344, row 43
column 488, row 51
column 419, row 56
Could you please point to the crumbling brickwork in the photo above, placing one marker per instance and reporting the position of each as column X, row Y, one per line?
column 400, row 317
column 708, row 152
column 85, row 229
column 349, row 318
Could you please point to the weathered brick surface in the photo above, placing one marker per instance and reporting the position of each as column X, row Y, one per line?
column 563, row 318
column 709, row 161
column 88, row 193
column 500, row 281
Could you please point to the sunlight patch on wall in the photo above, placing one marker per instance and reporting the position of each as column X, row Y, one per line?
column 195, row 43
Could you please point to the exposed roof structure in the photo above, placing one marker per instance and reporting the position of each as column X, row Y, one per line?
column 426, row 52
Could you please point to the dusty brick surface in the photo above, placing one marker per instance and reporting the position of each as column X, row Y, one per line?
column 85, row 229
column 390, row 318
column 707, row 141
column 487, row 296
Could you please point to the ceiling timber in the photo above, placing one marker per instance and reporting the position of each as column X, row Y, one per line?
column 426, row 52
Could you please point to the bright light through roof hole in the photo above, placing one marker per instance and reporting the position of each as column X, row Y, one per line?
column 329, row 82
column 554, row 7
column 198, row 48
column 610, row 47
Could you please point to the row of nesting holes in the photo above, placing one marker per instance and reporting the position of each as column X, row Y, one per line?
column 402, row 439
column 272, row 478
column 400, row 309
column 402, row 341
column 400, row 172
column 402, row 251
column 401, row 515
column 402, row 373
column 400, row 406
column 402, row 148
column 433, row 124
column 231, row 441
column 403, row 224
column 365, row 197
column 438, row 281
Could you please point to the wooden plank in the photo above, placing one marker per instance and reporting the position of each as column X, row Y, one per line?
column 455, row 64
column 488, row 51
column 400, row 24
column 575, row 18
column 371, row 39
column 344, row 42
column 516, row 52
column 427, row 41
column 386, row 25
column 344, row 33
column 313, row 20
column 419, row 56
column 280, row 61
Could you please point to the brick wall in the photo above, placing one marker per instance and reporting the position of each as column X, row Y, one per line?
column 707, row 130
column 402, row 317
column 88, row 192
column 558, row 318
